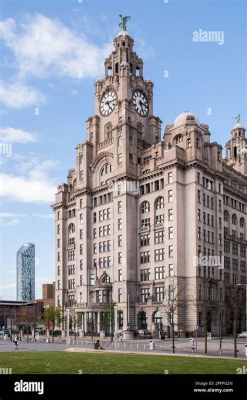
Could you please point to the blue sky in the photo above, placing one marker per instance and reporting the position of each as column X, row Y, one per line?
column 51, row 53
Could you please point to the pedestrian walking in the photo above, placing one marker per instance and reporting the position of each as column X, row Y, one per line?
column 16, row 342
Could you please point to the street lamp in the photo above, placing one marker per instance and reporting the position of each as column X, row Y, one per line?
column 67, row 333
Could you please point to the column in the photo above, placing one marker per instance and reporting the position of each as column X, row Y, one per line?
column 98, row 322
column 85, row 322
column 115, row 321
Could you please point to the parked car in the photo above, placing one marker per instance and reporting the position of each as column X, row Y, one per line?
column 242, row 334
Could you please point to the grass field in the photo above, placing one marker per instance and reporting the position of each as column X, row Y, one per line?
column 103, row 363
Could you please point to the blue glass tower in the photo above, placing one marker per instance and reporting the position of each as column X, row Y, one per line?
column 26, row 272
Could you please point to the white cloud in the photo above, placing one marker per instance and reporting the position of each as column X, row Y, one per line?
column 13, row 135
column 43, row 216
column 12, row 222
column 8, row 286
column 26, row 189
column 11, row 215
column 19, row 95
column 42, row 46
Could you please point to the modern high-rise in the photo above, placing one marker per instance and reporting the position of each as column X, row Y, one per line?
column 25, row 264
column 155, row 223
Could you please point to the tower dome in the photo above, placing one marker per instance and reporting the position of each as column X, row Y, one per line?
column 185, row 118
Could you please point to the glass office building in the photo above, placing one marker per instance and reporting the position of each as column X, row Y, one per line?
column 26, row 272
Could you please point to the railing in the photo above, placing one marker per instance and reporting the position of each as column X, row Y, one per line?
column 105, row 143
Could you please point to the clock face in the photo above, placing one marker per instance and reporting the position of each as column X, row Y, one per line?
column 108, row 103
column 140, row 102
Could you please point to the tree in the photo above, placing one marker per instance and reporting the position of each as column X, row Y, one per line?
column 51, row 316
column 108, row 317
column 235, row 301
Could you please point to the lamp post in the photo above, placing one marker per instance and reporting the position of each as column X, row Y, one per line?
column 67, row 332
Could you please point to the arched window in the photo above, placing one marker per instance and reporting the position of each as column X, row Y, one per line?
column 159, row 203
column 242, row 223
column 234, row 219
column 178, row 139
column 106, row 169
column 226, row 216
column 71, row 228
column 108, row 131
column 142, row 320
column 145, row 207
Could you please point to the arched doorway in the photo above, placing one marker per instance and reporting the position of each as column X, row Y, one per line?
column 142, row 320
column 157, row 319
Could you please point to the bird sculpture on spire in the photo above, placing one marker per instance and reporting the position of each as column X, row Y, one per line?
column 237, row 117
column 123, row 22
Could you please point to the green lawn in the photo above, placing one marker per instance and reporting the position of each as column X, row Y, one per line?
column 103, row 363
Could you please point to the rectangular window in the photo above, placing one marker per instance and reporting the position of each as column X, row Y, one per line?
column 170, row 214
column 159, row 294
column 171, row 270
column 120, row 224
column 91, row 279
column 159, row 273
column 94, row 217
column 159, row 219
column 120, row 158
column 119, row 207
column 145, row 240
column 169, row 177
column 58, row 229
column 120, row 295
column 94, row 233
column 131, row 158
column 159, row 237
column 120, row 241
column 120, row 258
column 145, row 274
column 170, row 196
column 81, row 264
column 159, row 254
column 199, row 196
column 81, row 280
column 120, row 275
column 170, row 232
column 145, row 293
column 58, row 243
column 145, row 257
column 145, row 223
column 81, row 249
column 170, row 251
column 95, row 248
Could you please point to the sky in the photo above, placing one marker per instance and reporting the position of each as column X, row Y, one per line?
column 51, row 53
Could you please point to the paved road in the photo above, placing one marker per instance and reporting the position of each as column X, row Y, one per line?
column 182, row 346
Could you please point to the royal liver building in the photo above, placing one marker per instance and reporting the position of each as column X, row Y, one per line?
column 151, row 225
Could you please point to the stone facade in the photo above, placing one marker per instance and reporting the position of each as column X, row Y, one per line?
column 140, row 213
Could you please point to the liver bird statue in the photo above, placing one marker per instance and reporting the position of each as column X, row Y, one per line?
column 123, row 22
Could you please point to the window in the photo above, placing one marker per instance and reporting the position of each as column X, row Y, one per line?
column 130, row 139
column 91, row 279
column 159, row 293
column 170, row 293
column 170, row 214
column 234, row 219
column 94, row 233
column 131, row 158
column 120, row 275
column 145, row 274
column 171, row 270
column 58, row 229
column 145, row 207
column 159, row 237
column 71, row 255
column 81, row 280
column 170, row 232
column 170, row 251
column 58, row 243
column 169, row 196
column 145, row 257
column 120, row 258
column 159, row 203
column 81, row 249
column 159, row 273
column 120, row 241
column 159, row 254
column 120, row 295
column 145, row 223
column 120, row 224
column 119, row 207
column 81, row 219
column 199, row 233
column 199, row 196
column 169, row 175
column 106, row 169
column 71, row 228
column 95, row 248
column 144, row 240
column 159, row 219
column 81, row 264
column 94, row 217
column 71, row 283
column 145, row 293
column 120, row 158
